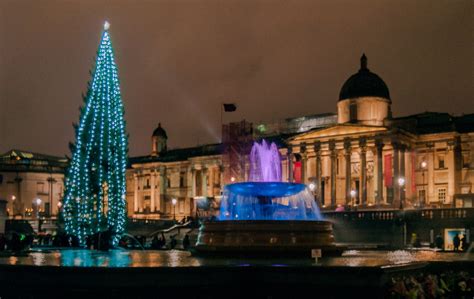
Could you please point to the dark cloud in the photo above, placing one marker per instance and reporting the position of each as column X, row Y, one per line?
column 178, row 60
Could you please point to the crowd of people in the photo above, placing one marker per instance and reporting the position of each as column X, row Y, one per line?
column 158, row 242
column 426, row 285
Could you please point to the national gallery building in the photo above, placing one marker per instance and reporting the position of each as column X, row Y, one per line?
column 361, row 157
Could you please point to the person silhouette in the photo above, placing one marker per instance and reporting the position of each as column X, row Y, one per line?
column 186, row 242
column 456, row 242
column 463, row 243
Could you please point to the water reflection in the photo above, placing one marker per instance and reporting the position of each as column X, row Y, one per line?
column 178, row 258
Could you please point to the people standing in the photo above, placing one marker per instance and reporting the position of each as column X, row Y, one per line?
column 186, row 242
column 463, row 243
column 439, row 241
column 456, row 242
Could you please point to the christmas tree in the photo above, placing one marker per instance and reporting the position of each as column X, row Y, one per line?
column 94, row 199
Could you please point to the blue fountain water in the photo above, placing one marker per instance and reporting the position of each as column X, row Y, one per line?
column 263, row 198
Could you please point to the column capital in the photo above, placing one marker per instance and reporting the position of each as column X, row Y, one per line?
column 162, row 170
column 379, row 144
column 347, row 143
column 221, row 168
column 317, row 146
column 403, row 148
column 362, row 142
column 395, row 144
column 332, row 145
column 303, row 147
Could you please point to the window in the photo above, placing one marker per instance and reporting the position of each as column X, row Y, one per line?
column 181, row 180
column 442, row 194
column 466, row 161
column 168, row 182
column 353, row 112
column 441, row 162
column 147, row 186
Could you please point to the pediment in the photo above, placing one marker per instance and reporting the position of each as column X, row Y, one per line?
column 338, row 131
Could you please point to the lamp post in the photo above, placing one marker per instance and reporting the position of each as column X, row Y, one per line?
column 353, row 195
column 13, row 205
column 401, row 183
column 37, row 201
column 174, row 201
column 423, row 169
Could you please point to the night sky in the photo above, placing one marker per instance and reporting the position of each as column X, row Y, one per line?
column 178, row 60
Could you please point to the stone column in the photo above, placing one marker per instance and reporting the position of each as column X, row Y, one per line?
column 396, row 173
column 304, row 162
column 347, row 155
column 204, row 181
column 141, row 198
column 221, row 176
column 193, row 182
column 430, row 192
column 152, row 190
column 317, row 150
column 379, row 144
column 135, row 193
column 211, row 181
column 363, row 170
column 163, row 185
column 451, row 164
column 403, row 173
column 333, row 153
column 157, row 191
column 290, row 164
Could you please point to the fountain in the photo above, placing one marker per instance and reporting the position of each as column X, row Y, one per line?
column 265, row 215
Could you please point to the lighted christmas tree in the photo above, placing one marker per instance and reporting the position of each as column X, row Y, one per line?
column 95, row 189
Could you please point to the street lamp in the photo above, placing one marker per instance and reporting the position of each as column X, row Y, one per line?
column 13, row 204
column 353, row 195
column 401, row 183
column 312, row 186
column 174, row 201
column 423, row 168
column 37, row 201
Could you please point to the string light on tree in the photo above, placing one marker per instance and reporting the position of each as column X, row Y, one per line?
column 95, row 183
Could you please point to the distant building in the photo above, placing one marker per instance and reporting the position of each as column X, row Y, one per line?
column 31, row 183
column 360, row 156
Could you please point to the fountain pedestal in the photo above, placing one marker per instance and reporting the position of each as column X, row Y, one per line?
column 266, row 238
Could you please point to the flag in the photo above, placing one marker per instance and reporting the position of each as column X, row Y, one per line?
column 229, row 107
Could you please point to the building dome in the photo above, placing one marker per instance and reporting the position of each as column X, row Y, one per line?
column 364, row 83
column 160, row 132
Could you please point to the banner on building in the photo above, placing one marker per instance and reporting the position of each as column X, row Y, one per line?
column 388, row 171
column 297, row 172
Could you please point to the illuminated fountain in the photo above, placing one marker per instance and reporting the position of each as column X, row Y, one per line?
column 266, row 215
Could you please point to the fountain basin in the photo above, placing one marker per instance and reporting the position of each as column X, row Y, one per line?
column 266, row 237
column 268, row 201
column 270, row 189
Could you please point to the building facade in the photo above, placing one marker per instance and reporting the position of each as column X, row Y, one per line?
column 362, row 156
column 31, row 183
